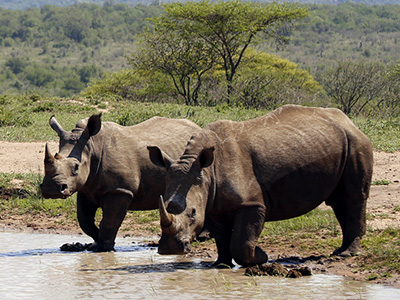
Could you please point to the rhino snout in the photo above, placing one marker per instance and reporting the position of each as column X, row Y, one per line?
column 177, row 205
column 172, row 245
column 55, row 191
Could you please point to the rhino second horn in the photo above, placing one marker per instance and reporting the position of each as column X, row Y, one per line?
column 166, row 219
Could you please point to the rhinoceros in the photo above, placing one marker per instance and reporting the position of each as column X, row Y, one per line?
column 274, row 167
column 109, row 167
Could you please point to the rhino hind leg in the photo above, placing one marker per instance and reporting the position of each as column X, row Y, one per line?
column 351, row 218
column 249, row 223
column 349, row 206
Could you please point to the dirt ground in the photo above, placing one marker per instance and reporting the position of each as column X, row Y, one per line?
column 383, row 205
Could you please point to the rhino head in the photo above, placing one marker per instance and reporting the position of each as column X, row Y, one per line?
column 182, row 214
column 67, row 171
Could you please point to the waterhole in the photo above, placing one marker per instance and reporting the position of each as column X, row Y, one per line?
column 33, row 267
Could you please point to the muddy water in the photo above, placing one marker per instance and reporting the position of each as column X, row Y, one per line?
column 32, row 267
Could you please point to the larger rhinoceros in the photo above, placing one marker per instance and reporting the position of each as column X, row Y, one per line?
column 109, row 167
column 274, row 167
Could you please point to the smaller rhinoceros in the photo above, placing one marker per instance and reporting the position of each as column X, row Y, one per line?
column 109, row 167
column 275, row 167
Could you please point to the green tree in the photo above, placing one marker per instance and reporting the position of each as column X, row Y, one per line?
column 177, row 53
column 353, row 85
column 229, row 27
column 269, row 81
column 16, row 64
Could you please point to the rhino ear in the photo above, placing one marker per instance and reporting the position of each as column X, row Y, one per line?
column 94, row 124
column 159, row 158
column 205, row 158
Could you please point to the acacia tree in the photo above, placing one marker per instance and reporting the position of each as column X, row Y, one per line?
column 191, row 37
column 229, row 27
column 175, row 52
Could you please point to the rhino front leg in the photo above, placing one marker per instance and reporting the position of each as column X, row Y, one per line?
column 222, row 233
column 249, row 222
column 86, row 212
column 114, row 206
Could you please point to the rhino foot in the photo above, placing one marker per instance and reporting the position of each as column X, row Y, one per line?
column 102, row 247
column 354, row 249
column 74, row 247
column 222, row 264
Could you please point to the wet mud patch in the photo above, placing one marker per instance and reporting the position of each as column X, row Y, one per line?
column 79, row 247
column 167, row 267
column 277, row 269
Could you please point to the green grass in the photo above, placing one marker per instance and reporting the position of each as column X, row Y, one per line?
column 383, row 133
column 382, row 250
column 29, row 118
column 313, row 221
column 25, row 118
column 21, row 194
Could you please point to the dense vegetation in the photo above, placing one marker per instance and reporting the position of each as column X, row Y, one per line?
column 24, row 4
column 56, row 51
column 348, row 31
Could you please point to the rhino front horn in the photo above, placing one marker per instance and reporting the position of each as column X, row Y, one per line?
column 166, row 219
column 48, row 157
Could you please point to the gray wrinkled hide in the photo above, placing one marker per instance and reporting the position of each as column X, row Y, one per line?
column 109, row 167
column 274, row 167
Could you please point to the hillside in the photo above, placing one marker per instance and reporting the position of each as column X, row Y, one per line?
column 56, row 51
column 348, row 31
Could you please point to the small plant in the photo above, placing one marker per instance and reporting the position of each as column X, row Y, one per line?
column 372, row 277
column 381, row 182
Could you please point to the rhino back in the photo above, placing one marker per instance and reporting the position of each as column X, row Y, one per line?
column 122, row 161
column 294, row 157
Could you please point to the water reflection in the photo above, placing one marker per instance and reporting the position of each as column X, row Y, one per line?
column 33, row 267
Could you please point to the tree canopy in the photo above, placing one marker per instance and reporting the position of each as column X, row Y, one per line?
column 219, row 33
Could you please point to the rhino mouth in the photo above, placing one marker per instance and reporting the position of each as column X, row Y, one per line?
column 63, row 193
column 171, row 245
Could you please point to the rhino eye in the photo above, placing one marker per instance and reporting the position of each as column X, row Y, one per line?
column 75, row 169
column 192, row 216
column 198, row 179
